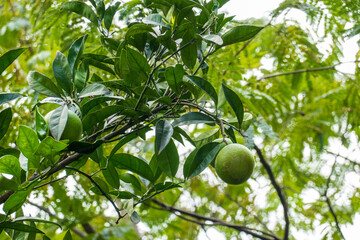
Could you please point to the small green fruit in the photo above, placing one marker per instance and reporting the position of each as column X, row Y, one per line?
column 234, row 163
column 222, row 145
column 73, row 129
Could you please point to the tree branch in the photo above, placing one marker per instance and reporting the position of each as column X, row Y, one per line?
column 204, row 221
column 278, row 190
column 101, row 190
column 328, row 202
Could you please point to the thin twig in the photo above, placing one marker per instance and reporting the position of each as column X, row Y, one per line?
column 328, row 202
column 278, row 190
column 210, row 221
column 100, row 189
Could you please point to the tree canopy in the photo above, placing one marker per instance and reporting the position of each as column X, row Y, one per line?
column 156, row 84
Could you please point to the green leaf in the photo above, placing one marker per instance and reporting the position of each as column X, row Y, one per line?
column 27, row 141
column 42, row 84
column 5, row 119
column 75, row 53
column 94, row 89
column 155, row 167
column 235, row 103
column 130, row 178
column 206, row 137
column 49, row 147
column 137, row 64
column 67, row 236
column 6, row 97
column 102, row 185
column 157, row 20
column 203, row 158
column 163, row 134
column 7, row 58
column 62, row 72
column 137, row 29
column 109, row 14
column 188, row 162
column 82, row 9
column 135, row 218
column 122, row 142
column 96, row 102
column 205, row 86
column 240, row 34
column 133, row 164
column 213, row 38
column 58, row 121
column 19, row 227
column 168, row 159
column 93, row 118
column 174, row 77
column 10, row 165
column 82, row 75
column 100, row 9
column 84, row 147
column 40, row 125
column 17, row 199
column 188, row 53
column 192, row 118
column 110, row 174
column 35, row 219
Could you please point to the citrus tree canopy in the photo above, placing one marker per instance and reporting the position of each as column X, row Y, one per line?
column 153, row 119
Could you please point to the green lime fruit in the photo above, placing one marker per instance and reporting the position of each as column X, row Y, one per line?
column 222, row 145
column 73, row 128
column 234, row 163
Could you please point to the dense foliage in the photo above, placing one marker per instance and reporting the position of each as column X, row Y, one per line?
column 155, row 83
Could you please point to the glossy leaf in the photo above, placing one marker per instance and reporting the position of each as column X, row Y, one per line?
column 93, row 118
column 7, row 58
column 49, row 147
column 40, row 125
column 17, row 199
column 205, row 86
column 204, row 156
column 168, row 160
column 122, row 142
column 129, row 178
column 96, row 102
column 157, row 20
column 111, row 175
column 6, row 97
column 174, row 77
column 135, row 218
column 137, row 63
column 19, row 227
column 240, row 34
column 5, row 119
column 192, row 118
column 137, row 29
column 75, row 53
column 62, row 72
column 42, row 84
column 109, row 14
column 10, row 165
column 213, row 38
column 27, row 141
column 82, row 9
column 163, row 134
column 235, row 103
column 133, row 164
column 82, row 76
column 188, row 162
column 189, row 51
column 58, row 121
column 94, row 89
